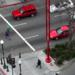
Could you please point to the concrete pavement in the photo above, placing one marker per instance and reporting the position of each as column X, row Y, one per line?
column 29, row 62
column 12, row 1
column 8, row 2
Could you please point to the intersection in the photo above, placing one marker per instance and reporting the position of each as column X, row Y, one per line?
column 31, row 28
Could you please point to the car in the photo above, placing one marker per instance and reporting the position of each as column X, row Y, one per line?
column 59, row 33
column 61, row 6
column 25, row 11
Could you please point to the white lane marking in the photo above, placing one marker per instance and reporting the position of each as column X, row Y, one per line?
column 26, row 42
column 20, row 24
column 32, row 37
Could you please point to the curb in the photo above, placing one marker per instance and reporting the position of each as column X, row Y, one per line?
column 3, row 6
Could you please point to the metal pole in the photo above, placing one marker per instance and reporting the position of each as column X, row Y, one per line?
column 12, row 70
column 47, row 4
column 20, row 69
column 1, row 61
column 3, row 57
column 20, row 64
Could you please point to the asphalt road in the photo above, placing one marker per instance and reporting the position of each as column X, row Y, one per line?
column 32, row 28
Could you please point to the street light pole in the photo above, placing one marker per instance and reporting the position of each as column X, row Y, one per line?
column 20, row 69
column 1, row 61
column 47, row 4
column 20, row 63
column 12, row 70
column 2, row 42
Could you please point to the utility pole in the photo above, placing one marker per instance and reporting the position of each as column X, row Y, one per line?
column 4, row 64
column 47, row 7
column 20, row 64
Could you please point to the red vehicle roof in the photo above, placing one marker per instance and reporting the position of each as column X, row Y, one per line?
column 28, row 7
column 54, row 33
column 65, row 27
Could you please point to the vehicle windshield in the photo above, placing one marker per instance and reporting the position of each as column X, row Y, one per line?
column 21, row 11
column 59, row 31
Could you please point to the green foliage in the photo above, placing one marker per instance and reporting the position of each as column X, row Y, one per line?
column 60, row 46
column 61, row 53
column 53, row 52
column 60, row 61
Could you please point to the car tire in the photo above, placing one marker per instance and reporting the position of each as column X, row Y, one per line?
column 17, row 18
column 32, row 15
column 56, row 38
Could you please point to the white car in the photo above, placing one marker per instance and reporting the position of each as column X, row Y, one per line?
column 61, row 6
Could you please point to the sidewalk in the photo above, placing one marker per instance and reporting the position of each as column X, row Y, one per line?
column 9, row 2
column 28, row 65
column 6, row 3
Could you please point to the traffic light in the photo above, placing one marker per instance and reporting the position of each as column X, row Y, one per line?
column 11, row 61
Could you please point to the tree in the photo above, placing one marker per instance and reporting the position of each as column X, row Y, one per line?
column 71, row 25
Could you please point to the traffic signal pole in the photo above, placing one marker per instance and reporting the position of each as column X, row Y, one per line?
column 47, row 7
